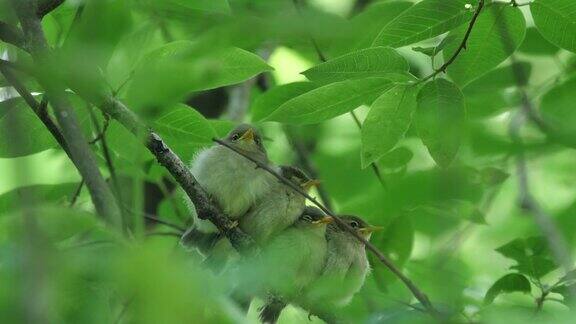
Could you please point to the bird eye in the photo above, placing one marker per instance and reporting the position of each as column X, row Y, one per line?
column 235, row 137
column 354, row 224
column 257, row 140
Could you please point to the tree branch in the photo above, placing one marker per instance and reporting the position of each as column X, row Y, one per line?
column 462, row 44
column 422, row 298
column 11, row 35
column 47, row 6
column 101, row 194
column 179, row 171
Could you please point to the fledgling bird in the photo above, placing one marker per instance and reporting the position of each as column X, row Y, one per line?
column 230, row 179
column 279, row 208
column 344, row 271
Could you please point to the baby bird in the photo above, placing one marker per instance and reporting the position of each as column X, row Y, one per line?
column 230, row 179
column 289, row 262
column 346, row 264
column 279, row 208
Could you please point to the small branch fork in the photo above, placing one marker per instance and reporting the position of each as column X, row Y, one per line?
column 460, row 48
column 422, row 298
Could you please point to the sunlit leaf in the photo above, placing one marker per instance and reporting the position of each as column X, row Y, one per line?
column 423, row 20
column 554, row 19
column 558, row 109
column 388, row 120
column 535, row 44
column 512, row 282
column 531, row 255
column 497, row 33
column 370, row 62
column 61, row 193
column 396, row 158
column 330, row 101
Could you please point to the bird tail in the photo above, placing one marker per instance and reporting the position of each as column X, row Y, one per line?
column 270, row 312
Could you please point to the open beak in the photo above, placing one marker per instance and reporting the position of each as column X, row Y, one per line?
column 325, row 220
column 370, row 229
column 310, row 183
column 248, row 135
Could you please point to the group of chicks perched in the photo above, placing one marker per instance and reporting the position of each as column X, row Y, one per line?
column 305, row 257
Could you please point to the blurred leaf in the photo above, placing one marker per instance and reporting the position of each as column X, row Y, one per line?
column 535, row 44
column 558, row 109
column 370, row 62
column 329, row 101
column 268, row 102
column 185, row 130
column 553, row 18
column 440, row 118
column 365, row 26
column 396, row 241
column 396, row 158
column 531, row 254
column 454, row 209
column 493, row 176
column 497, row 33
column 426, row 19
column 167, row 74
column 55, row 223
column 387, row 122
column 512, row 282
column 33, row 136
column 512, row 75
column 61, row 193
column 185, row 8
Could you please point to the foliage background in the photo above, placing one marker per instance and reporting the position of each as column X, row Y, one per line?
column 452, row 172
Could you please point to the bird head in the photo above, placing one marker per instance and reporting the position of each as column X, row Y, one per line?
column 314, row 217
column 248, row 139
column 298, row 177
column 360, row 226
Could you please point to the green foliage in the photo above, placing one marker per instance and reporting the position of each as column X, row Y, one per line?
column 433, row 154
column 498, row 32
column 388, row 120
column 513, row 282
column 554, row 18
column 440, row 118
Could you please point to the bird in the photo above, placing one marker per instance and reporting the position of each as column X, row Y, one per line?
column 344, row 271
column 292, row 261
column 346, row 265
column 232, row 181
column 279, row 208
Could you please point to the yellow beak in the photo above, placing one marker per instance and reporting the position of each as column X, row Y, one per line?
column 324, row 220
column 370, row 229
column 248, row 135
column 310, row 183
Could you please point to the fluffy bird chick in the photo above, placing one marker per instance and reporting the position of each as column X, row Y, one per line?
column 279, row 208
column 346, row 264
column 230, row 179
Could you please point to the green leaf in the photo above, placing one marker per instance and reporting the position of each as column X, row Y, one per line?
column 535, row 44
column 330, row 101
column 440, row 118
column 387, row 122
column 556, row 19
column 531, row 254
column 512, row 282
column 61, row 193
column 185, row 130
column 365, row 26
column 370, row 62
column 558, row 110
column 30, row 137
column 426, row 19
column 512, row 75
column 396, row 158
column 167, row 74
column 497, row 33
column 271, row 100
column 491, row 176
column 453, row 209
column 185, row 8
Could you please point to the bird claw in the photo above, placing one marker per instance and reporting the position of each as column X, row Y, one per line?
column 310, row 317
column 232, row 225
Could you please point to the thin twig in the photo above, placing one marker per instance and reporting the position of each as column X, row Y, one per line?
column 47, row 6
column 174, row 234
column 102, row 131
column 163, row 222
column 422, row 298
column 77, row 193
column 462, row 45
